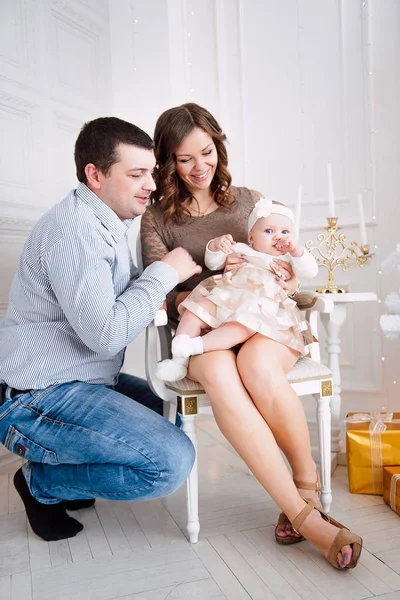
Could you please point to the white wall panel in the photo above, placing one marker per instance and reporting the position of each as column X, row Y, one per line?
column 16, row 127
column 19, row 39
column 64, row 131
column 20, row 128
column 231, row 111
column 295, row 84
column 141, row 78
column 54, row 75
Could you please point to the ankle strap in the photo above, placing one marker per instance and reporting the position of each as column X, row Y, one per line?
column 304, row 485
column 302, row 516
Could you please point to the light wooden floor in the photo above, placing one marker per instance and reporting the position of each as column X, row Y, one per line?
column 138, row 551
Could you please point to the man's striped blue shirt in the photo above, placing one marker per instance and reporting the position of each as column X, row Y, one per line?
column 77, row 299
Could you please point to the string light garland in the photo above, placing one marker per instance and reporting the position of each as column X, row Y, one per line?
column 187, row 51
column 373, row 132
column 135, row 21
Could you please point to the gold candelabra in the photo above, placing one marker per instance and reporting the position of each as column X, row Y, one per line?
column 333, row 252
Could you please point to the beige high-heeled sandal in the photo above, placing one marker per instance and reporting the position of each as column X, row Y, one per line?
column 283, row 520
column 344, row 537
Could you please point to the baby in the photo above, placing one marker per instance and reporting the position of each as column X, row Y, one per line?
column 249, row 300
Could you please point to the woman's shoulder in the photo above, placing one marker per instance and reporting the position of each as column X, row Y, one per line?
column 155, row 210
column 245, row 194
column 154, row 215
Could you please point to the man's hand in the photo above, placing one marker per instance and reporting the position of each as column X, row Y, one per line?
column 233, row 261
column 222, row 243
column 180, row 260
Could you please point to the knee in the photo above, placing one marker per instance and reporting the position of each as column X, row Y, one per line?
column 177, row 462
column 266, row 375
column 213, row 369
column 162, row 474
column 179, row 456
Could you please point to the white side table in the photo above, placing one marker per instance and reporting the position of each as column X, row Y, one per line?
column 332, row 323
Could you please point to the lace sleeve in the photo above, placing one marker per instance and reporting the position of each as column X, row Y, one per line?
column 153, row 247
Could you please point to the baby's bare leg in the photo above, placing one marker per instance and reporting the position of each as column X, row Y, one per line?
column 222, row 338
column 226, row 336
column 188, row 342
column 190, row 324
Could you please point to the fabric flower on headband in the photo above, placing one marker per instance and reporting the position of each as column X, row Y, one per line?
column 263, row 208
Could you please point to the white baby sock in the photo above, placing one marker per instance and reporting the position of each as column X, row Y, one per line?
column 184, row 346
column 172, row 370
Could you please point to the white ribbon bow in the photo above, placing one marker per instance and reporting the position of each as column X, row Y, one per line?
column 264, row 207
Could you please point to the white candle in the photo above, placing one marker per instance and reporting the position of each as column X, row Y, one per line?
column 363, row 231
column 331, row 195
column 298, row 213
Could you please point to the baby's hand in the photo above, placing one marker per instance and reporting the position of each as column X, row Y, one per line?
column 287, row 245
column 222, row 243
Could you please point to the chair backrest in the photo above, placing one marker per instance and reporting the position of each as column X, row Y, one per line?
column 139, row 261
column 134, row 243
column 312, row 318
column 311, row 304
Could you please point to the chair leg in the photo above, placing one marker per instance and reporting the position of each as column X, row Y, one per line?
column 192, row 488
column 169, row 411
column 324, row 445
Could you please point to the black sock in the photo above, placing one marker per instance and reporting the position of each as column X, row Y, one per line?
column 77, row 504
column 48, row 521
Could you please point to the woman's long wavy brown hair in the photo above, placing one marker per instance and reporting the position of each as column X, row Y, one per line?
column 171, row 129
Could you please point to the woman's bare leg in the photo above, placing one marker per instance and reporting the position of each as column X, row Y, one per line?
column 274, row 397
column 280, row 406
column 246, row 429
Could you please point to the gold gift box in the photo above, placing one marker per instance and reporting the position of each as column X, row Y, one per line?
column 366, row 455
column 391, row 487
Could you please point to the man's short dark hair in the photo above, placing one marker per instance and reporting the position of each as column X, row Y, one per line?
column 98, row 140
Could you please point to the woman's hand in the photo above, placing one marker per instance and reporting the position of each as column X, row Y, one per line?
column 285, row 276
column 233, row 261
column 291, row 286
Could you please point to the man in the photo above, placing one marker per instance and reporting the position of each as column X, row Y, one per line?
column 75, row 303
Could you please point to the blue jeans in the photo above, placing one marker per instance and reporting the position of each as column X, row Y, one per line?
column 93, row 441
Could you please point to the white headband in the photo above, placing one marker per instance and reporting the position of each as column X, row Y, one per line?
column 263, row 208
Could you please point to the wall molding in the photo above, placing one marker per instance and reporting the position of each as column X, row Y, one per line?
column 243, row 103
column 64, row 12
column 16, row 103
column 221, row 54
column 16, row 224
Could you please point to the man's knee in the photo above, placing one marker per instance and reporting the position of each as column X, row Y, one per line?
column 178, row 461
column 163, row 474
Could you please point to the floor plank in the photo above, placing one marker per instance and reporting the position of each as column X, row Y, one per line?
column 139, row 551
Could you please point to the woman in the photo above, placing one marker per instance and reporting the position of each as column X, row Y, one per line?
column 253, row 403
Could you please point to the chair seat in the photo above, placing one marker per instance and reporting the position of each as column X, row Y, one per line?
column 305, row 369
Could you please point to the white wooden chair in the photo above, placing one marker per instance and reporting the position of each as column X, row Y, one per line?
column 308, row 377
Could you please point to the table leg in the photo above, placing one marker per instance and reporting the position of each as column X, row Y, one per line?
column 332, row 323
